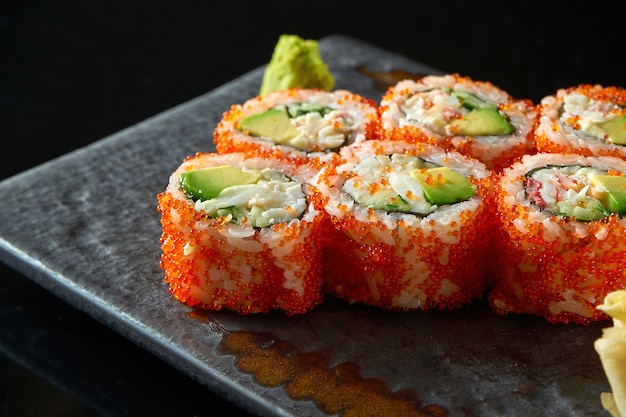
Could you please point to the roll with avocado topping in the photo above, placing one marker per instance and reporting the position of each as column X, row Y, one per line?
column 410, row 226
column 585, row 119
column 458, row 113
column 243, row 234
column 559, row 244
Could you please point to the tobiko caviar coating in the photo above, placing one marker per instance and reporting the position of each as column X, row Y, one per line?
column 458, row 113
column 558, row 242
column 302, row 125
column 388, row 245
column 584, row 119
column 436, row 198
column 215, row 256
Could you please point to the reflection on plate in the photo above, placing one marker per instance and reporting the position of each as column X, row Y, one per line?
column 95, row 243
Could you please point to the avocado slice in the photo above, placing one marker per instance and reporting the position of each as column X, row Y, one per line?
column 616, row 129
column 471, row 101
column 443, row 185
column 207, row 183
column 388, row 201
column 614, row 199
column 396, row 203
column 273, row 124
column 482, row 121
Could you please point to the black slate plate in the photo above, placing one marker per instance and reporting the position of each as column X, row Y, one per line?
column 85, row 227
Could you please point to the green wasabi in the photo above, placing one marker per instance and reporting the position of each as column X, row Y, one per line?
column 296, row 62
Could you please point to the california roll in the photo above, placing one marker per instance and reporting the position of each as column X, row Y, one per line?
column 560, row 231
column 296, row 124
column 475, row 118
column 585, row 119
column 243, row 234
column 409, row 226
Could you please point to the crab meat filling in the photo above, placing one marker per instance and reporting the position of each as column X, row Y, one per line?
column 567, row 191
column 274, row 198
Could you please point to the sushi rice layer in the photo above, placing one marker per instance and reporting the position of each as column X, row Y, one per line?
column 400, row 259
column 554, row 265
column 214, row 263
column 428, row 110
column 324, row 121
column 574, row 120
column 346, row 206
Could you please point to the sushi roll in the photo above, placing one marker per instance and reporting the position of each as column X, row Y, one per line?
column 242, row 234
column 302, row 125
column 472, row 117
column 585, row 119
column 410, row 226
column 559, row 238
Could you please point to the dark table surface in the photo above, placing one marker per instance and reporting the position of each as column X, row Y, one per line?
column 72, row 73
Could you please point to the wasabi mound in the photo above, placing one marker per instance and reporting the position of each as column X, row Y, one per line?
column 296, row 62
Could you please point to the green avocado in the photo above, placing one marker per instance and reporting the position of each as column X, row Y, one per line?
column 616, row 129
column 614, row 199
column 207, row 183
column 471, row 101
column 483, row 121
column 273, row 124
column 387, row 201
column 396, row 203
column 443, row 185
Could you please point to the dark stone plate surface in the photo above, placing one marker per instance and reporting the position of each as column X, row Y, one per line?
column 85, row 227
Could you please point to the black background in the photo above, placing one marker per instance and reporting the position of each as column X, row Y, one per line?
column 72, row 73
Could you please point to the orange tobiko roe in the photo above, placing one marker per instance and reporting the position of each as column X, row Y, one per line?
column 496, row 155
column 545, row 144
column 470, row 148
column 420, row 269
column 228, row 138
column 205, row 270
column 563, row 279
column 549, row 127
